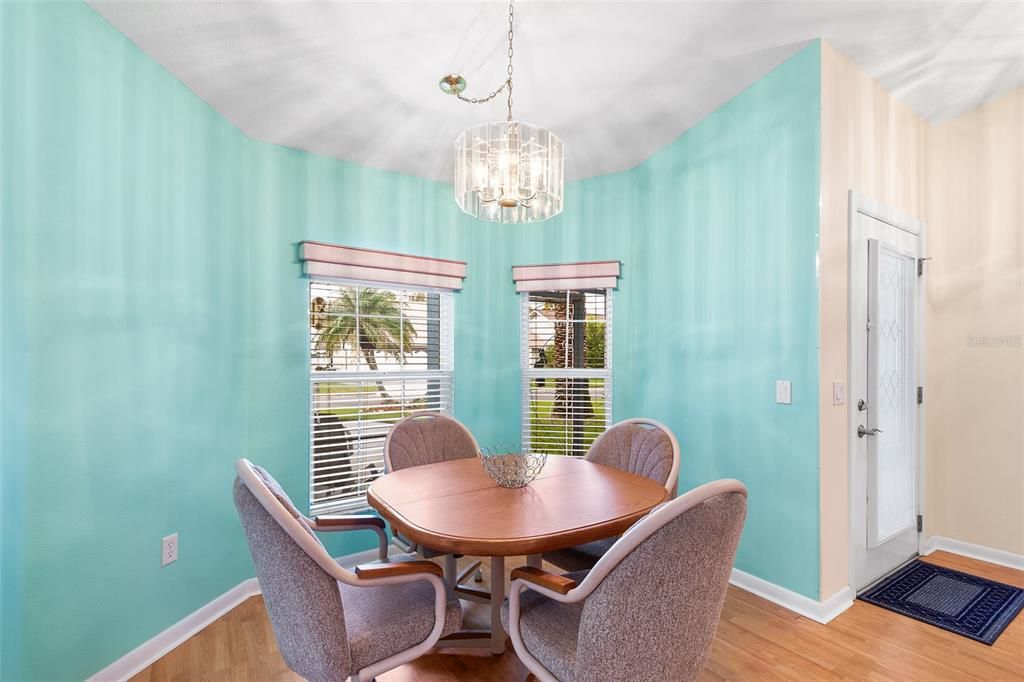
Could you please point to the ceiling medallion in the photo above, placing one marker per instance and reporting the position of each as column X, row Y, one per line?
column 507, row 171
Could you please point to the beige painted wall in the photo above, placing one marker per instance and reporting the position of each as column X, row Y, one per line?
column 974, row 474
column 875, row 145
column 964, row 179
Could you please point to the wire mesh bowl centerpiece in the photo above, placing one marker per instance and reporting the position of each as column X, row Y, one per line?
column 510, row 468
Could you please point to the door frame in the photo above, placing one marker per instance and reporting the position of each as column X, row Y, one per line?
column 860, row 204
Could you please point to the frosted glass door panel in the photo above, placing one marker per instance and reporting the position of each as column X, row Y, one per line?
column 892, row 477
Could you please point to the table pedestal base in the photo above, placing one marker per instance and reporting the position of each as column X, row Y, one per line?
column 495, row 638
column 497, row 597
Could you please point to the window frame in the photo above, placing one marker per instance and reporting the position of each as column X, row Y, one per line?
column 528, row 374
column 446, row 375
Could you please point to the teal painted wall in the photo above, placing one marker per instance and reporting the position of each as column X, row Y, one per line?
column 153, row 317
column 718, row 235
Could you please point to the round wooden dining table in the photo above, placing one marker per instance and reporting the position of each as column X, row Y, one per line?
column 456, row 508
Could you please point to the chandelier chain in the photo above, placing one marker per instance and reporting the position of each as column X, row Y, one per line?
column 507, row 85
column 511, row 34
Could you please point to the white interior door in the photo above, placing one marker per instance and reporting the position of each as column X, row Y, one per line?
column 885, row 421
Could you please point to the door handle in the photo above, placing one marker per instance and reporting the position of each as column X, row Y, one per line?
column 861, row 431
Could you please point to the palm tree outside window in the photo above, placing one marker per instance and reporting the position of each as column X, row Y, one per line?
column 566, row 369
column 376, row 354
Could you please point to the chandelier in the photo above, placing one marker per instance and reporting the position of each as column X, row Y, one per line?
column 507, row 171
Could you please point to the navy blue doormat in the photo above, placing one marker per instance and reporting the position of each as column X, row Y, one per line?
column 961, row 603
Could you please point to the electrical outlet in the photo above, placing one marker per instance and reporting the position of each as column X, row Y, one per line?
column 169, row 550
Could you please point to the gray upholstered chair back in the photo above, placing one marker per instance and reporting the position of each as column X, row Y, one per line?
column 655, row 614
column 303, row 601
column 639, row 446
column 427, row 438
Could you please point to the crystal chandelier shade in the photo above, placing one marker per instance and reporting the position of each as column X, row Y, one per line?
column 509, row 172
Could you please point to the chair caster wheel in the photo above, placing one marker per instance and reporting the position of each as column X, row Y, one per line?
column 478, row 577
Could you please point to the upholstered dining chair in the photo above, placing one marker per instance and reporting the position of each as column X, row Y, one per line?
column 639, row 446
column 649, row 608
column 428, row 438
column 331, row 623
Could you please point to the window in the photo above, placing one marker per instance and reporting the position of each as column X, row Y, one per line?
column 566, row 369
column 377, row 353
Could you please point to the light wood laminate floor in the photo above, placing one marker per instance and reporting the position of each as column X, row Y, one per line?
column 756, row 640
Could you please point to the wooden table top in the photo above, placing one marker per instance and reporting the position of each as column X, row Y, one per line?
column 455, row 506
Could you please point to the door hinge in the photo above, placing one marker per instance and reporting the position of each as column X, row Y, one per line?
column 920, row 265
column 920, row 395
column 920, row 523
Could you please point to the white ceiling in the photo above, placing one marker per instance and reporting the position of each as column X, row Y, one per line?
column 616, row 80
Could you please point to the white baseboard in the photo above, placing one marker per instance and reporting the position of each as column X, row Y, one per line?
column 967, row 549
column 822, row 612
column 142, row 656
column 147, row 653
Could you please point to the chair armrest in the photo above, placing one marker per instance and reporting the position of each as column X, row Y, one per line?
column 325, row 524
column 349, row 521
column 556, row 583
column 398, row 568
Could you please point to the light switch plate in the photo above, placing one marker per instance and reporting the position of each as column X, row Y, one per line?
column 838, row 392
column 784, row 392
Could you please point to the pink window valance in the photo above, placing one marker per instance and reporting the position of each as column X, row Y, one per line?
column 566, row 276
column 347, row 262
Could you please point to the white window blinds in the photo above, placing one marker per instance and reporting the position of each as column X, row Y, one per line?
column 377, row 353
column 566, row 369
